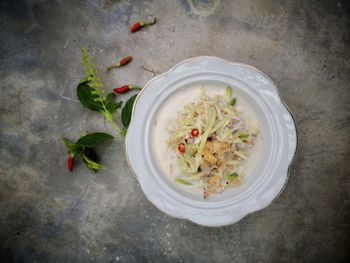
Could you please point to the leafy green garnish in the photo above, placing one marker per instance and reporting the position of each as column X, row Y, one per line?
column 92, row 139
column 111, row 106
column 233, row 176
column 72, row 147
column 243, row 136
column 88, row 97
column 83, row 148
column 182, row 181
column 91, row 164
column 233, row 101
column 91, row 94
column 126, row 113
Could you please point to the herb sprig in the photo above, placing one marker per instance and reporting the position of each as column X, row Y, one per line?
column 83, row 149
column 91, row 95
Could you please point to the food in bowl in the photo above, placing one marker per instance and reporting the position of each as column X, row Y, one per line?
column 210, row 139
column 155, row 163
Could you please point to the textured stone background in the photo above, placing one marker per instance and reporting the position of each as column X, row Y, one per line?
column 49, row 215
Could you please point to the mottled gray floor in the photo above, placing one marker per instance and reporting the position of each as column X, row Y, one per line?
column 49, row 215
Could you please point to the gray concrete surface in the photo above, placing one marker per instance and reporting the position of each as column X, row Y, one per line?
column 49, row 215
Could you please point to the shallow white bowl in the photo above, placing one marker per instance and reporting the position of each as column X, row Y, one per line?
column 270, row 173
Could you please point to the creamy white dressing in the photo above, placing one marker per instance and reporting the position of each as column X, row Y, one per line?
column 166, row 157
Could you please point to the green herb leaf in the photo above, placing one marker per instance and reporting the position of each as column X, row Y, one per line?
column 233, row 101
column 91, row 164
column 111, row 105
column 127, row 111
column 83, row 148
column 182, row 181
column 72, row 147
column 233, row 176
column 243, row 136
column 92, row 96
column 88, row 97
column 92, row 139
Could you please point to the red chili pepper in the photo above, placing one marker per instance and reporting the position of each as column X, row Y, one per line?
column 125, row 88
column 137, row 26
column 182, row 148
column 125, row 61
column 121, row 63
column 70, row 163
column 195, row 132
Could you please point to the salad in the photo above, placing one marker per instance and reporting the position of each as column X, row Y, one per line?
column 211, row 138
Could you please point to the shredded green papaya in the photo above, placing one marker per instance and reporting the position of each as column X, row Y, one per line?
column 213, row 156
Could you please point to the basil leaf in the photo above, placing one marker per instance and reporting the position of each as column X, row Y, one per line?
column 111, row 105
column 127, row 111
column 72, row 147
column 88, row 97
column 233, row 176
column 91, row 94
column 91, row 164
column 92, row 139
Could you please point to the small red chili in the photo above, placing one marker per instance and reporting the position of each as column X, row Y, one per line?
column 125, row 88
column 121, row 63
column 194, row 132
column 182, row 148
column 125, row 61
column 137, row 26
column 70, row 163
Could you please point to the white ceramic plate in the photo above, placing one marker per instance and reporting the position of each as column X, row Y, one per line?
column 270, row 173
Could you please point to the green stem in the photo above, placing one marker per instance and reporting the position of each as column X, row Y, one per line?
column 136, row 88
column 112, row 66
column 151, row 23
column 110, row 119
